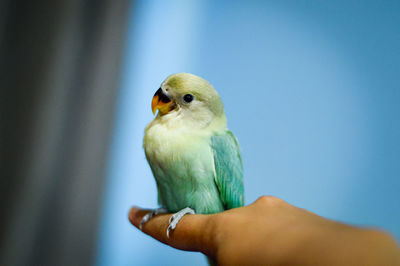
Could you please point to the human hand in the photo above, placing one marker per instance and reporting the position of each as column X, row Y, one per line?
column 271, row 231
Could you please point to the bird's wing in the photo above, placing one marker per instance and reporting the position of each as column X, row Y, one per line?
column 228, row 169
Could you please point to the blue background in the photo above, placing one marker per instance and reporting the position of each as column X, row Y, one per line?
column 311, row 90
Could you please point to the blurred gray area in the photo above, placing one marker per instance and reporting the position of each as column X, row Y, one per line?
column 59, row 69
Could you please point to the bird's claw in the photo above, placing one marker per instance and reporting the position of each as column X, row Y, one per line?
column 176, row 217
column 169, row 229
column 145, row 219
column 150, row 215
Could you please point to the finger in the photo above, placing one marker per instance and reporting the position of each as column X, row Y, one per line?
column 193, row 232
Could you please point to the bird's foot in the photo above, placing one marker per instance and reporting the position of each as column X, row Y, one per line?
column 150, row 215
column 176, row 217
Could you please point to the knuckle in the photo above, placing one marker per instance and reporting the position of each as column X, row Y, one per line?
column 220, row 223
column 213, row 224
column 269, row 201
column 209, row 238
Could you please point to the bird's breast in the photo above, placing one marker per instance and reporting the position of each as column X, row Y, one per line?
column 177, row 150
column 183, row 166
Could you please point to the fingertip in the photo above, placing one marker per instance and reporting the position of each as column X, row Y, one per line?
column 133, row 215
column 190, row 233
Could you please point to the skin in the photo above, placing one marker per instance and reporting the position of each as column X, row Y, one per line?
column 272, row 232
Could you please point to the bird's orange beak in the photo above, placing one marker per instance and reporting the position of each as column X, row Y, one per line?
column 161, row 102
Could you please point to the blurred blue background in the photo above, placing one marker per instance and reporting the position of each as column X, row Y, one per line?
column 311, row 90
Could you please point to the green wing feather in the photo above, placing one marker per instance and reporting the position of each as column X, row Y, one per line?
column 228, row 169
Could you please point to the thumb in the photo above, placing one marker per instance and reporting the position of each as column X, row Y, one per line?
column 193, row 232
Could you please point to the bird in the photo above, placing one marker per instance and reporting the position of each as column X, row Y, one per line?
column 195, row 159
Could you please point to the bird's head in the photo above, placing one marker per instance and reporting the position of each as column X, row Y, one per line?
column 191, row 97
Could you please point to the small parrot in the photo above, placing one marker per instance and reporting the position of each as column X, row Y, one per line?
column 194, row 158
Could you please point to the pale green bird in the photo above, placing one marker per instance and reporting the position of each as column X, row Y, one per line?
column 194, row 158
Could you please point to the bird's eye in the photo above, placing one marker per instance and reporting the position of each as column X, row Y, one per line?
column 188, row 98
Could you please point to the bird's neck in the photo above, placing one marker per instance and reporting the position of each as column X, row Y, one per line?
column 185, row 121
